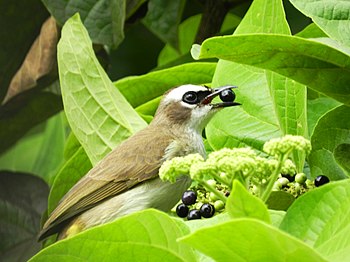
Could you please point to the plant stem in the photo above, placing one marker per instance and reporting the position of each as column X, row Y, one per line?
column 222, row 180
column 213, row 189
column 274, row 177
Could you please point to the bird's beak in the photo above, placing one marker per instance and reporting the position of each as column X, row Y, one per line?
column 216, row 92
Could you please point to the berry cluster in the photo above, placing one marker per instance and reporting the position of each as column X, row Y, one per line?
column 298, row 184
column 198, row 198
column 189, row 198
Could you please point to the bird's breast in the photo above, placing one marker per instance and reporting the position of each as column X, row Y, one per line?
column 189, row 143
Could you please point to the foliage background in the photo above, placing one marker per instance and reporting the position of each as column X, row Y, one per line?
column 153, row 39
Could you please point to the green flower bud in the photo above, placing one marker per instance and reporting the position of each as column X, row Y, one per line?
column 288, row 143
column 178, row 166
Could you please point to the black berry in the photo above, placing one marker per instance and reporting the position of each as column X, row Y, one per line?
column 207, row 210
column 227, row 95
column 194, row 214
column 189, row 197
column 321, row 180
column 182, row 210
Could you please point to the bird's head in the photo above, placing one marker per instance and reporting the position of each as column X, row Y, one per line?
column 192, row 105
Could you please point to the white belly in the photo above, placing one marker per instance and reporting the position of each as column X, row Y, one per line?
column 152, row 194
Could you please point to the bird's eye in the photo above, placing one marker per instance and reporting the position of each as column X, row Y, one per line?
column 190, row 98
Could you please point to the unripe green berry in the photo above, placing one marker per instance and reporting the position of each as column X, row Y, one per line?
column 213, row 197
column 211, row 182
column 283, row 181
column 277, row 186
column 218, row 205
column 300, row 178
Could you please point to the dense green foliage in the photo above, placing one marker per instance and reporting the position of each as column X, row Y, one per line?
column 288, row 83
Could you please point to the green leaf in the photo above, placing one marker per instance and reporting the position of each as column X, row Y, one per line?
column 98, row 114
column 23, row 199
column 279, row 200
column 251, row 124
column 329, row 133
column 149, row 235
column 69, row 174
column 264, row 16
column 14, row 120
column 321, row 218
column 163, row 19
column 342, row 156
column 290, row 106
column 187, row 34
column 52, row 145
column 22, row 156
column 332, row 17
column 195, row 224
column 318, row 107
column 317, row 65
column 311, row 31
column 276, row 217
column 103, row 19
column 255, row 122
column 241, row 203
column 141, row 89
column 17, row 16
column 249, row 240
column 71, row 146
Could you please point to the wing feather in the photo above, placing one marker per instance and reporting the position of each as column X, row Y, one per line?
column 135, row 160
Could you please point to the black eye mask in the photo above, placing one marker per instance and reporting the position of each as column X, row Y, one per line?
column 192, row 97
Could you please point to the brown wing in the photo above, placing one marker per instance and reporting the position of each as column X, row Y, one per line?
column 135, row 160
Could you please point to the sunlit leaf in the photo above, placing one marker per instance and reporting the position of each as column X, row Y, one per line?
column 98, row 114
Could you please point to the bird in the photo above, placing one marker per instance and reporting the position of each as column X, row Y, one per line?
column 126, row 180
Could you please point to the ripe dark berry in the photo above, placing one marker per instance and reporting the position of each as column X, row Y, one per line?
column 189, row 197
column 194, row 214
column 182, row 210
column 291, row 178
column 227, row 95
column 207, row 210
column 321, row 180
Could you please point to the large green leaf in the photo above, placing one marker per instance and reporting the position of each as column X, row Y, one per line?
column 69, row 174
column 249, row 240
column 321, row 66
column 332, row 16
column 163, row 19
column 332, row 130
column 141, row 89
column 23, row 199
column 251, row 124
column 289, row 99
column 149, row 235
column 318, row 107
column 98, row 114
column 321, row 218
column 241, row 203
column 17, row 16
column 104, row 19
column 256, row 120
